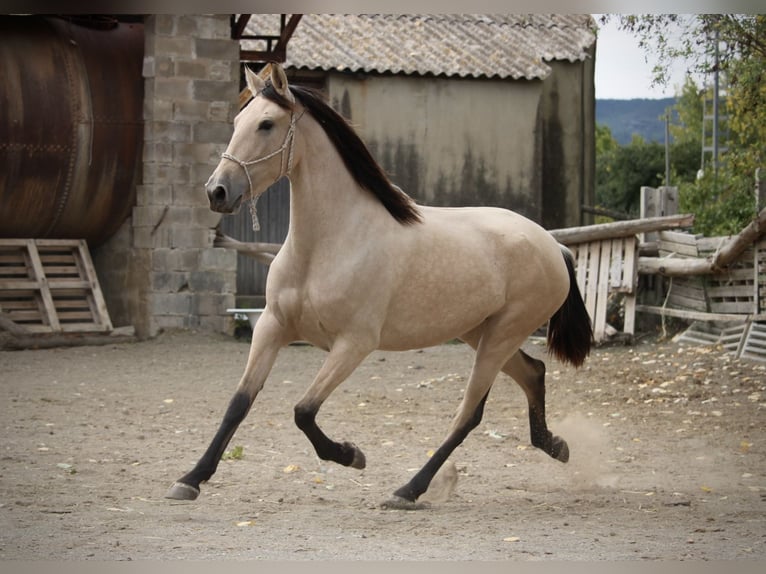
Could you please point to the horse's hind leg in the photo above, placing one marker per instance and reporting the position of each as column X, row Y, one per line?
column 529, row 373
column 268, row 338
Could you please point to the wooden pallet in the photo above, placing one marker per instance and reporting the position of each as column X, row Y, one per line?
column 50, row 286
column 745, row 340
column 605, row 268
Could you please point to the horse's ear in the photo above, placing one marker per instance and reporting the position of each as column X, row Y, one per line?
column 254, row 82
column 279, row 81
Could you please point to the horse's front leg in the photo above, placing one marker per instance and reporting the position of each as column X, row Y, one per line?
column 268, row 338
column 344, row 357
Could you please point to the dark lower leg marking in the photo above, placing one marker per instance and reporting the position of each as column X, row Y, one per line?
column 346, row 453
column 542, row 438
column 419, row 483
column 187, row 487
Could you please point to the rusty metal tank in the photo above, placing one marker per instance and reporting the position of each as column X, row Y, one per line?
column 71, row 131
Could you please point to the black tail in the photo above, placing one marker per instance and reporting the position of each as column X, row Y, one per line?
column 570, row 333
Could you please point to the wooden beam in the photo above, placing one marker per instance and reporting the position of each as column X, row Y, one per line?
column 276, row 52
column 716, row 263
column 572, row 235
column 238, row 25
column 287, row 32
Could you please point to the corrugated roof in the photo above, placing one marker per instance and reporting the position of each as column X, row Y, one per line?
column 465, row 45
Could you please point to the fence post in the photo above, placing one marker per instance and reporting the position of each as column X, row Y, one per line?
column 657, row 202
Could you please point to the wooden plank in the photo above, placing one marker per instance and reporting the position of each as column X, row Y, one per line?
column 16, row 284
column 66, row 283
column 741, row 307
column 581, row 251
column 697, row 315
column 615, row 265
column 666, row 248
column 57, row 242
column 630, row 271
column 744, row 290
column 602, row 293
column 98, row 303
column 36, row 265
column 679, row 237
column 594, row 255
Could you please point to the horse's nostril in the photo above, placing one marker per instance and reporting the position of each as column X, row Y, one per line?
column 217, row 194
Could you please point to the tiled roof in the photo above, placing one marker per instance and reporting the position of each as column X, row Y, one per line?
column 465, row 45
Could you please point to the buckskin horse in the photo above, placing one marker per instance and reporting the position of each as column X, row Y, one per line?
column 363, row 267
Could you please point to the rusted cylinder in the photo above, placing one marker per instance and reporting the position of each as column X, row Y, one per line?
column 71, row 131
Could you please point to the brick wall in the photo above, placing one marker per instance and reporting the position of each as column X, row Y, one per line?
column 171, row 276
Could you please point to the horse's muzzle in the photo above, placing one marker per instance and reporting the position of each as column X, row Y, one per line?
column 220, row 199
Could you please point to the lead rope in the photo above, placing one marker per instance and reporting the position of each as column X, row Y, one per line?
column 289, row 140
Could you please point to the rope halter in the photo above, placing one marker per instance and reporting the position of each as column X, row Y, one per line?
column 288, row 144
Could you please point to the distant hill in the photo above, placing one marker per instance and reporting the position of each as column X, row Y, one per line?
column 640, row 116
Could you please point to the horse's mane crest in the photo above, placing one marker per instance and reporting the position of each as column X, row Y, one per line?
column 357, row 158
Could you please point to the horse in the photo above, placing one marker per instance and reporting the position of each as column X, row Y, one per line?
column 364, row 267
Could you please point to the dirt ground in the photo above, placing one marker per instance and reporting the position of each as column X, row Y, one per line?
column 668, row 457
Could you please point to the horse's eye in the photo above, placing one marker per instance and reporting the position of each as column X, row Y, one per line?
column 266, row 125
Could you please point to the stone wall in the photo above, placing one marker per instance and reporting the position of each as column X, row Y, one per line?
column 161, row 270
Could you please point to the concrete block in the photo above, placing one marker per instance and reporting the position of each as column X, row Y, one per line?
column 167, row 259
column 208, row 281
column 165, row 24
column 215, row 49
column 204, row 217
column 148, row 69
column 149, row 238
column 198, row 69
column 217, row 259
column 173, row 88
column 167, row 131
column 158, row 110
column 221, row 112
column 182, row 46
column 222, row 71
column 148, row 215
column 161, row 152
column 190, row 195
column 190, row 110
column 169, row 281
column 153, row 194
column 170, row 303
column 205, row 153
column 188, row 25
column 185, row 237
column 212, row 132
column 214, row 26
column 164, row 173
column 212, row 91
column 170, row 323
column 212, row 303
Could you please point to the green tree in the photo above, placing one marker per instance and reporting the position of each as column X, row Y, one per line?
column 735, row 45
column 622, row 170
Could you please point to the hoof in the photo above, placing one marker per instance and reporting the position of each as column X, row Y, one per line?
column 399, row 503
column 181, row 491
column 559, row 449
column 359, row 461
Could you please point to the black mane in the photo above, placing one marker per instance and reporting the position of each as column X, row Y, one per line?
column 357, row 158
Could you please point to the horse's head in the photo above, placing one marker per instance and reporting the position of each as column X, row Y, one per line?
column 261, row 148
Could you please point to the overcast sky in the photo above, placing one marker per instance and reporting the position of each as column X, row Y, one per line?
column 622, row 71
